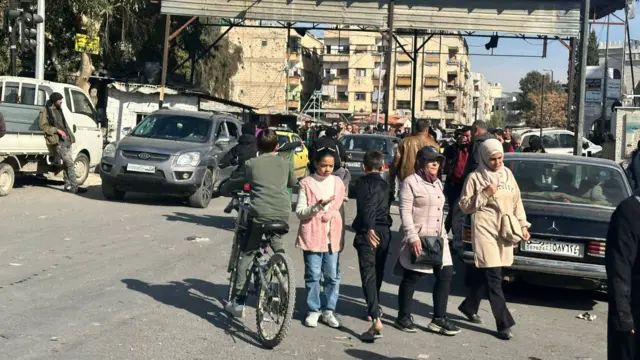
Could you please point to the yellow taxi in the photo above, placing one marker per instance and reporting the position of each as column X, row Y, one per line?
column 300, row 156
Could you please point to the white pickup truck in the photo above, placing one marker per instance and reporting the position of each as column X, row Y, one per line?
column 23, row 148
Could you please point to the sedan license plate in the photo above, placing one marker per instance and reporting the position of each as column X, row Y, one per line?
column 354, row 164
column 148, row 169
column 553, row 248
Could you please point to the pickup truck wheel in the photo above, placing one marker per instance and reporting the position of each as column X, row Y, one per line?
column 7, row 177
column 202, row 197
column 111, row 193
column 81, row 167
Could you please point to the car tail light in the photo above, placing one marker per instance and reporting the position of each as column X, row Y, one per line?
column 466, row 234
column 246, row 188
column 596, row 248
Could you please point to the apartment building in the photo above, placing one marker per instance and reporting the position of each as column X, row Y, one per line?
column 482, row 103
column 354, row 73
column 278, row 74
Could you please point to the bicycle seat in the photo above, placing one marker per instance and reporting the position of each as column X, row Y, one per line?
column 275, row 227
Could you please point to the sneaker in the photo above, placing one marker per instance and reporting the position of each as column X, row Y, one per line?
column 329, row 318
column 312, row 319
column 236, row 310
column 405, row 324
column 443, row 326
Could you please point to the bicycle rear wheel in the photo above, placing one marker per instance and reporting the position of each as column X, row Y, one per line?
column 276, row 301
column 232, row 268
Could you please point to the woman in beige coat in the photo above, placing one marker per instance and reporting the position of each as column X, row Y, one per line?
column 421, row 211
column 488, row 191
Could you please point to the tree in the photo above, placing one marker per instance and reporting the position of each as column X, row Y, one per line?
column 532, row 84
column 554, row 110
column 593, row 59
column 496, row 121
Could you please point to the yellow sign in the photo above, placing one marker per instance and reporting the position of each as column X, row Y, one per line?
column 87, row 44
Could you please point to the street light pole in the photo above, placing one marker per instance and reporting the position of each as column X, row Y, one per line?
column 542, row 100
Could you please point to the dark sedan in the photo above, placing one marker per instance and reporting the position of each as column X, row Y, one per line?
column 568, row 201
column 358, row 144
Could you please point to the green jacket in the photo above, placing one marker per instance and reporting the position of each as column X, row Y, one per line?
column 50, row 131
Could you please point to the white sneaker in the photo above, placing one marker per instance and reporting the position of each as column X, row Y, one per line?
column 237, row 311
column 330, row 319
column 312, row 319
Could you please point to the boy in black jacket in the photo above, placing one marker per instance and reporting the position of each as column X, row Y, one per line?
column 373, row 234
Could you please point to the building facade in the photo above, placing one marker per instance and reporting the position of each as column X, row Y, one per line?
column 620, row 62
column 278, row 74
column 482, row 103
column 354, row 73
column 505, row 105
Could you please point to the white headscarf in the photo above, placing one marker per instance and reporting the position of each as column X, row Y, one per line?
column 489, row 148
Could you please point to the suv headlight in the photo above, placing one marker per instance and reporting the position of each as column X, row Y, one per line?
column 109, row 150
column 188, row 159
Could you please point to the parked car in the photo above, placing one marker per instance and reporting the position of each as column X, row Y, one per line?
column 301, row 154
column 560, row 141
column 357, row 145
column 23, row 149
column 171, row 152
column 568, row 201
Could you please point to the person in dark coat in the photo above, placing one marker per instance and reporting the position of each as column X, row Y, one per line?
column 623, row 281
column 246, row 149
column 535, row 145
column 479, row 133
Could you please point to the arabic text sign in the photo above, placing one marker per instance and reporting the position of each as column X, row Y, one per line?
column 88, row 44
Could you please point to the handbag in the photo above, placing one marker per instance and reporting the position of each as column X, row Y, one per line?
column 510, row 230
column 432, row 250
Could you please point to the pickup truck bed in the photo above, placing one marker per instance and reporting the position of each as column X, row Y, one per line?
column 23, row 130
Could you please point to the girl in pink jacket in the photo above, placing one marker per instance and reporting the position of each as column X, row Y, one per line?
column 320, row 198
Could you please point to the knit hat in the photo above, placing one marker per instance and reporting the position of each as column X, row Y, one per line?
column 55, row 97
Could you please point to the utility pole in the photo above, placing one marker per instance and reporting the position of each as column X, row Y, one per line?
column 603, row 114
column 541, row 105
column 380, row 85
column 571, row 84
column 388, row 55
column 584, row 45
column 11, row 18
column 40, row 42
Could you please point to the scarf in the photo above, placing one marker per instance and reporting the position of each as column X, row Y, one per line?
column 424, row 173
column 489, row 148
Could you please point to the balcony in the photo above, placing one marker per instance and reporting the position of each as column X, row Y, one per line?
column 431, row 59
column 336, row 104
column 402, row 57
column 293, row 80
column 451, row 108
column 336, row 57
column 403, row 81
column 337, row 81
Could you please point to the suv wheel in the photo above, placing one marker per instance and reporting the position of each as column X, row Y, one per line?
column 111, row 193
column 202, row 197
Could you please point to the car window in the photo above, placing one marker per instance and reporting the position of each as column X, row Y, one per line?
column 568, row 182
column 174, row 127
column 567, row 141
column 232, row 128
column 364, row 143
column 283, row 139
column 221, row 131
column 550, row 141
column 81, row 104
column 296, row 139
column 11, row 93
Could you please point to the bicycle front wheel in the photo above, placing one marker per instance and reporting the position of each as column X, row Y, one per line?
column 276, row 301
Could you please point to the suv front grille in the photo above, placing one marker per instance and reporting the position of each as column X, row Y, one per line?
column 146, row 155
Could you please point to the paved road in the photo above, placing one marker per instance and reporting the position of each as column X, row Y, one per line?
column 82, row 278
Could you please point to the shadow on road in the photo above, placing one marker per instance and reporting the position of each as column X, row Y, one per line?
column 23, row 181
column 219, row 222
column 369, row 355
column 201, row 302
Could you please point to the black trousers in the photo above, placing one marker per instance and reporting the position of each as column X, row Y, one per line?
column 452, row 192
column 441, row 289
column 372, row 263
column 488, row 282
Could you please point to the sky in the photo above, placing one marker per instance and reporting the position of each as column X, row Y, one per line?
column 509, row 70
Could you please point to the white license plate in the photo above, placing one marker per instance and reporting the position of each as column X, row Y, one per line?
column 141, row 168
column 353, row 164
column 553, row 248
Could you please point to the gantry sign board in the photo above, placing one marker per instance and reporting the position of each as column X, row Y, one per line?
column 542, row 17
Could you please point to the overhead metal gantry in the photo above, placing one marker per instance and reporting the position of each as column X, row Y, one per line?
column 563, row 19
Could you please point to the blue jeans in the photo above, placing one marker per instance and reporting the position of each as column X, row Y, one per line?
column 316, row 267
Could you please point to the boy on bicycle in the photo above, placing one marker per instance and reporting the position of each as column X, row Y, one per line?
column 270, row 176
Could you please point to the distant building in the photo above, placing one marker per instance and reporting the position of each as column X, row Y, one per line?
column 616, row 62
column 506, row 107
column 482, row 104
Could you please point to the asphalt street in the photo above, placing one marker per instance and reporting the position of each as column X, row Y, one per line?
column 84, row 278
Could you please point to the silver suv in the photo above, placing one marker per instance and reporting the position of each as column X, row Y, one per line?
column 171, row 152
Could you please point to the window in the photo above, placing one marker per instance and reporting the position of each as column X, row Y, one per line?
column 82, row 104
column 431, row 105
column 403, row 105
column 343, row 73
column 360, row 96
column 361, row 72
column 221, row 132
column 174, row 127
column 550, row 141
column 139, row 118
column 568, row 183
column 264, row 43
column 566, row 140
column 233, row 130
column 28, row 95
column 11, row 93
column 365, row 143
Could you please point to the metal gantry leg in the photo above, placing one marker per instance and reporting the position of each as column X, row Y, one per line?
column 584, row 45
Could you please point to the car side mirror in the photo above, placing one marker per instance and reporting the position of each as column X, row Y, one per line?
column 75, row 128
column 223, row 141
column 585, row 145
column 126, row 131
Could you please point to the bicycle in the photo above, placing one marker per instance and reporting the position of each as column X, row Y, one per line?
column 274, row 297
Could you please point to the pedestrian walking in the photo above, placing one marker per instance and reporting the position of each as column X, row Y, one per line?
column 59, row 139
column 405, row 157
column 457, row 156
column 372, row 226
column 491, row 195
column 622, row 261
column 320, row 238
column 422, row 214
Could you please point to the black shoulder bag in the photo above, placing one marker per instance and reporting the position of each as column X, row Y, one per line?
column 432, row 250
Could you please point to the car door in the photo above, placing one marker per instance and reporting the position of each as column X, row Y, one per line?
column 82, row 121
column 223, row 143
column 301, row 157
column 567, row 143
